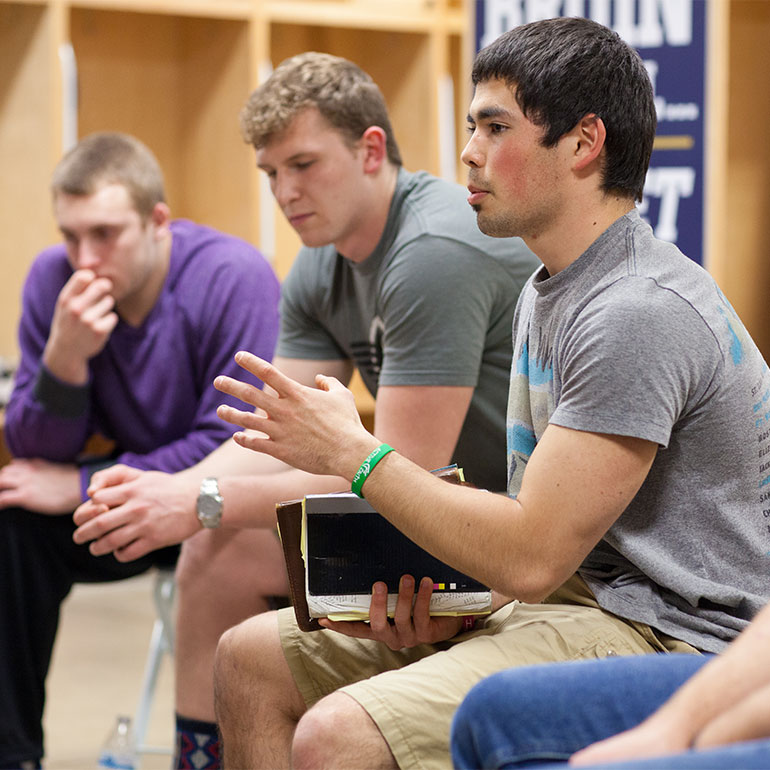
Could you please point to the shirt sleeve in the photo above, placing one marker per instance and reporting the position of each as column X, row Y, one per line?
column 437, row 314
column 41, row 406
column 307, row 287
column 635, row 360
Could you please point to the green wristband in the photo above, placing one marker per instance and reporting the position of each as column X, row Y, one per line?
column 362, row 474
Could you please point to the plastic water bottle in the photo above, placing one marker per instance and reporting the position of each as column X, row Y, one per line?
column 118, row 750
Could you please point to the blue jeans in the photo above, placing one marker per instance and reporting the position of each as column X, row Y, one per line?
column 538, row 716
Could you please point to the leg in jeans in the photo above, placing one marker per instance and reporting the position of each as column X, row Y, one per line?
column 542, row 714
column 38, row 565
column 752, row 755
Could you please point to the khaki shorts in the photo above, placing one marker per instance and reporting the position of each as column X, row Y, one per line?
column 412, row 694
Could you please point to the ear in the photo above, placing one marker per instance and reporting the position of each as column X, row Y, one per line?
column 589, row 136
column 374, row 146
column 160, row 217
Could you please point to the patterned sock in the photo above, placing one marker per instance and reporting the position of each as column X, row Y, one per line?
column 197, row 745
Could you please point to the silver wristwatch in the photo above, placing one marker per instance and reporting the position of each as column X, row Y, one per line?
column 210, row 504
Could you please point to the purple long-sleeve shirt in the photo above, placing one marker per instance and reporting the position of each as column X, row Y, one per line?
column 150, row 389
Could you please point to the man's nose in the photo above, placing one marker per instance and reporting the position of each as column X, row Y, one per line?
column 471, row 154
column 284, row 189
column 86, row 256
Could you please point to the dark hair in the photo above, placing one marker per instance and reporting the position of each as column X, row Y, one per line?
column 111, row 158
column 564, row 69
column 340, row 90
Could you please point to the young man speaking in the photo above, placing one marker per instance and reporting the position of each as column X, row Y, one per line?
column 634, row 509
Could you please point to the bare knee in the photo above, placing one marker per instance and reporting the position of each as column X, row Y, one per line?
column 194, row 558
column 323, row 737
column 231, row 566
column 242, row 651
column 249, row 668
column 256, row 701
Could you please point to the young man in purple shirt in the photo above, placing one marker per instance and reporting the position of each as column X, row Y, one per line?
column 123, row 329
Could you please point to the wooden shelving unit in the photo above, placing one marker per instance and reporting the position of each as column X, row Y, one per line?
column 176, row 73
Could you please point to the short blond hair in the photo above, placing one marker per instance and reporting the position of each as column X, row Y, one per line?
column 340, row 90
column 111, row 158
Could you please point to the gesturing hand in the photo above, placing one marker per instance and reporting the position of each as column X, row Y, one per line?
column 315, row 429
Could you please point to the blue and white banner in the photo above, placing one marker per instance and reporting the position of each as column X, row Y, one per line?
column 670, row 36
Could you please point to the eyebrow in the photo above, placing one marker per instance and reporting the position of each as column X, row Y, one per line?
column 485, row 113
column 293, row 159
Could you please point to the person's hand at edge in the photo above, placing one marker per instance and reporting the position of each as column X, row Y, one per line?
column 40, row 485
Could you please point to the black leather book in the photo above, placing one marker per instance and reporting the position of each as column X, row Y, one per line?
column 349, row 547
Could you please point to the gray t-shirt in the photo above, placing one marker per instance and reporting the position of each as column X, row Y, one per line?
column 635, row 339
column 432, row 305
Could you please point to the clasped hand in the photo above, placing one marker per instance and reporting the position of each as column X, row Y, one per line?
column 40, row 485
column 132, row 512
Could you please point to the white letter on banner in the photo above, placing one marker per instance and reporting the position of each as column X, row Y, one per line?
column 574, row 8
column 677, row 21
column 659, row 21
column 536, row 10
column 669, row 183
column 499, row 17
column 600, row 12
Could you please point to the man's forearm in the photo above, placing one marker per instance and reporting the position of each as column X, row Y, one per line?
column 229, row 459
column 251, row 484
column 249, row 501
column 444, row 519
column 41, row 407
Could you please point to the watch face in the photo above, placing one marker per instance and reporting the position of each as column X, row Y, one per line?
column 209, row 506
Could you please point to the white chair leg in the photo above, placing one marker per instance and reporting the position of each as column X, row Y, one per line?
column 161, row 642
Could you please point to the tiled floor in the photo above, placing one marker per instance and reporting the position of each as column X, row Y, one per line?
column 97, row 673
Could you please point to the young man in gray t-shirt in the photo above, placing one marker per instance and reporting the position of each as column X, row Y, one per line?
column 635, row 433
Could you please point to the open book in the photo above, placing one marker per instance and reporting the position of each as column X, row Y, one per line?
column 336, row 546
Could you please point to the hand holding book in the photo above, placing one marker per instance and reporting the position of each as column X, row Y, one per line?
column 352, row 548
column 411, row 624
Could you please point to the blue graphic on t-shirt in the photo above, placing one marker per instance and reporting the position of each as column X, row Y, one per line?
column 521, row 439
column 529, row 409
column 736, row 348
column 737, row 337
column 537, row 373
